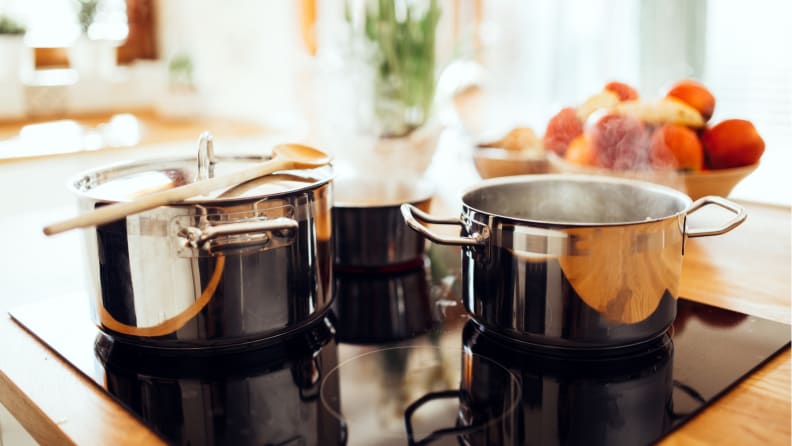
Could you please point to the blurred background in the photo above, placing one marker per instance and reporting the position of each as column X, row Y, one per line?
column 87, row 82
column 292, row 67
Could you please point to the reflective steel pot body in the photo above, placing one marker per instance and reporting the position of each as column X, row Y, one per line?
column 247, row 264
column 368, row 231
column 573, row 261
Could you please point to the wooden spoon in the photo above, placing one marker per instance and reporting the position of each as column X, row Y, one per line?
column 284, row 157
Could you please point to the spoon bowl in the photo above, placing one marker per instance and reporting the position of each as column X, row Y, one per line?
column 301, row 155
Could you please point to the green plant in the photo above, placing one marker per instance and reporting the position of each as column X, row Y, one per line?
column 180, row 70
column 10, row 27
column 86, row 12
column 403, row 35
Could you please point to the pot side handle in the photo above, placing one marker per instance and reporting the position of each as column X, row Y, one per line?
column 739, row 217
column 207, row 236
column 412, row 215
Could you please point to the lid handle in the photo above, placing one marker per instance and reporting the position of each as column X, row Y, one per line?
column 206, row 158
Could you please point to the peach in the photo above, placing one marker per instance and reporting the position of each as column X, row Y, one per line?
column 519, row 138
column 620, row 142
column 561, row 129
column 695, row 95
column 624, row 91
column 580, row 151
column 675, row 147
column 732, row 143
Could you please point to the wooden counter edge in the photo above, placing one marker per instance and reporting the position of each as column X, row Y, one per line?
column 48, row 418
column 29, row 415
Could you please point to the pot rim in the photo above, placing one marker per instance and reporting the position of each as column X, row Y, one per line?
column 77, row 183
column 578, row 178
column 421, row 191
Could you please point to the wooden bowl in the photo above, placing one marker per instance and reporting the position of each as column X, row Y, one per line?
column 493, row 162
column 718, row 182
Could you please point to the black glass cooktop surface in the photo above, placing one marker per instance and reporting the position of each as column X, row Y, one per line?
column 399, row 362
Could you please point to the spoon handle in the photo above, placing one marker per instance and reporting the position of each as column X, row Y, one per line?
column 115, row 211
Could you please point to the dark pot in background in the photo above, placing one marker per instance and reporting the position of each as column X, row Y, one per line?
column 368, row 229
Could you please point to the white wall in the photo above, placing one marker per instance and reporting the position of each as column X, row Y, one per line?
column 247, row 55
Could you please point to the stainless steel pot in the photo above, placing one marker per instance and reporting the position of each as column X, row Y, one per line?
column 573, row 261
column 238, row 267
column 368, row 231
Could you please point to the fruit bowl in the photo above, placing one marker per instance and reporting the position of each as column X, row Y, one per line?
column 493, row 162
column 696, row 184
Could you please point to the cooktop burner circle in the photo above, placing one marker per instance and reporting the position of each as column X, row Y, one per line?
column 407, row 394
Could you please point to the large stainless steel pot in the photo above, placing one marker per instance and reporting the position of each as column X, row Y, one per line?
column 573, row 261
column 238, row 267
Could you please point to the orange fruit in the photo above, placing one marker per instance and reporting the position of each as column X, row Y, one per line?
column 695, row 95
column 675, row 147
column 580, row 151
column 732, row 143
column 624, row 91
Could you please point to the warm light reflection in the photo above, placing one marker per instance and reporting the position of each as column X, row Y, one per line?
column 66, row 133
column 123, row 130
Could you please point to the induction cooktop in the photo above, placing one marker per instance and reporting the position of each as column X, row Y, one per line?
column 399, row 362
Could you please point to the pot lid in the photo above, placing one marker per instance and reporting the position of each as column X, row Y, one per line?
column 128, row 181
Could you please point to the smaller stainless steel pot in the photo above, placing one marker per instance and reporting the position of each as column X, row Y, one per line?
column 573, row 261
column 368, row 231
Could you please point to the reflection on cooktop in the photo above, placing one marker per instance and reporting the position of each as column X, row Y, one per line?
column 566, row 399
column 453, row 384
column 382, row 308
column 267, row 396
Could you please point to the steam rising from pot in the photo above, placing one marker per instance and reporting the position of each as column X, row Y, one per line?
column 577, row 200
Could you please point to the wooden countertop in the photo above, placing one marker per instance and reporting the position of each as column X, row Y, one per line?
column 151, row 129
column 746, row 270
